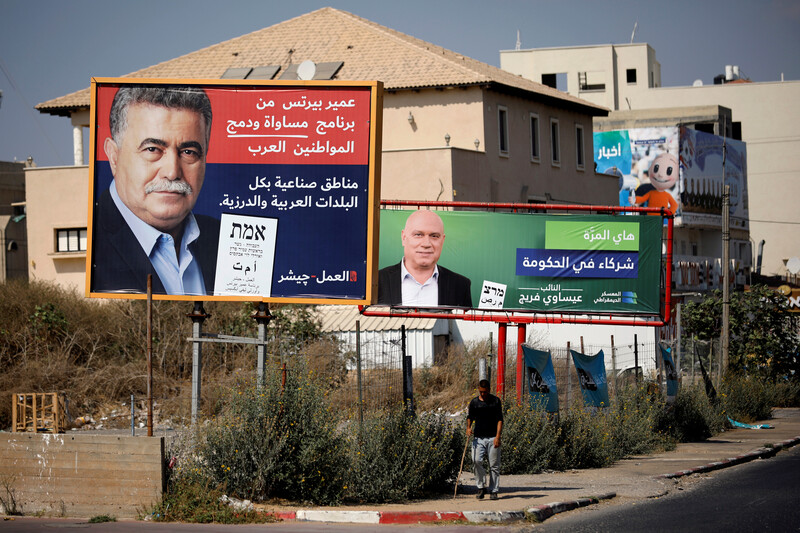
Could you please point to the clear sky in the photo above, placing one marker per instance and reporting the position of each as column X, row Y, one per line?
column 49, row 48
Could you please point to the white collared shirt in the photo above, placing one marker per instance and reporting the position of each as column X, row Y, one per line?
column 416, row 294
column 180, row 275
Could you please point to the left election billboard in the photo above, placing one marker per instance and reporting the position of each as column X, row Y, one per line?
column 234, row 190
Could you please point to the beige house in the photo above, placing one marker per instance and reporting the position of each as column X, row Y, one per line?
column 627, row 79
column 453, row 128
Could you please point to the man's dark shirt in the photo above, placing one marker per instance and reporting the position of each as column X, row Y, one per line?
column 485, row 416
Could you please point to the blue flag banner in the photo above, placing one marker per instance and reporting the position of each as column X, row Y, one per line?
column 592, row 376
column 541, row 379
column 669, row 370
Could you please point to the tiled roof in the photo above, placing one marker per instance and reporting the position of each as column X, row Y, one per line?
column 334, row 318
column 369, row 52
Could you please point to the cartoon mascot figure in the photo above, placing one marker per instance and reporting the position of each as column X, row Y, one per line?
column 663, row 177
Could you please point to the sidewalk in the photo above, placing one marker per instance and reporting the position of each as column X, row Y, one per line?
column 546, row 494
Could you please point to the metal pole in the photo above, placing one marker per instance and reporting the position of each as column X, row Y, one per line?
column 569, row 375
column 520, row 361
column 726, row 271
column 149, row 355
column 262, row 316
column 358, row 377
column 501, row 360
column 483, row 368
column 408, row 376
column 636, row 358
column 198, row 315
column 133, row 417
column 678, row 337
column 614, row 363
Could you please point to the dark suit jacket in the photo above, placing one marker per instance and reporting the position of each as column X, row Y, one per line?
column 120, row 265
column 454, row 289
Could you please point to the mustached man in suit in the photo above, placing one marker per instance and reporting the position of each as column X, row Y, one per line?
column 144, row 222
column 417, row 280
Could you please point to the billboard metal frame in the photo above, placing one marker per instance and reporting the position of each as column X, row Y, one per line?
column 519, row 317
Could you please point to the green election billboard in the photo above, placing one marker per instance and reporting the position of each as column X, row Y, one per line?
column 583, row 264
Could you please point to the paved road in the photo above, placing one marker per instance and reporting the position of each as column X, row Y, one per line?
column 760, row 496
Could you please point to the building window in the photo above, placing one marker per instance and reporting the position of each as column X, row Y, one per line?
column 71, row 240
column 555, row 148
column 502, row 125
column 579, row 147
column 591, row 81
column 534, row 137
column 630, row 75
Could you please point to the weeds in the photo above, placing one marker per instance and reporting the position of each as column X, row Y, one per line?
column 99, row 519
column 8, row 496
column 277, row 441
column 397, row 457
column 194, row 498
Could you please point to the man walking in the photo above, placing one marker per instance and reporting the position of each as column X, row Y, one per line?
column 485, row 424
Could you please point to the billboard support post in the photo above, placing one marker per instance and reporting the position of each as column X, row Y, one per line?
column 569, row 374
column 501, row 360
column 520, row 361
column 614, row 363
column 408, row 377
column 149, row 355
column 262, row 316
column 198, row 316
column 636, row 357
column 726, row 272
column 358, row 376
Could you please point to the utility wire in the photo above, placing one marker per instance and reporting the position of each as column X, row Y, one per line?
column 28, row 108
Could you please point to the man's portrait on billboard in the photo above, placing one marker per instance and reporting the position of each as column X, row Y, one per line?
column 418, row 280
column 144, row 222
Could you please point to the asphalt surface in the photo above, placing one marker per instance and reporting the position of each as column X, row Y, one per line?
column 759, row 496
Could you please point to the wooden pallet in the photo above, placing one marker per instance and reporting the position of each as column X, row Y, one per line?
column 38, row 412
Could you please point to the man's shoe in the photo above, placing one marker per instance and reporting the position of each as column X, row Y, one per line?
column 481, row 493
column 493, row 496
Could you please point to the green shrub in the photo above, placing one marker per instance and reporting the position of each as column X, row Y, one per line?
column 634, row 418
column 787, row 394
column 747, row 398
column 398, row 457
column 530, row 440
column 692, row 417
column 585, row 440
column 277, row 441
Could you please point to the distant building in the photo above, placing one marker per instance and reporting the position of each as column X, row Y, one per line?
column 453, row 128
column 13, row 223
column 765, row 115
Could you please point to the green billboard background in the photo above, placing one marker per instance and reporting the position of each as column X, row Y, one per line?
column 540, row 263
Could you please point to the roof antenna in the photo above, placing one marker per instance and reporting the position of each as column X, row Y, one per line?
column 633, row 33
column 519, row 44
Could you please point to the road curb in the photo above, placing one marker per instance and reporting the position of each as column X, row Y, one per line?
column 759, row 453
column 541, row 513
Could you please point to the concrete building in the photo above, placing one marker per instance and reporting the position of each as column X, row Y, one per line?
column 627, row 79
column 453, row 128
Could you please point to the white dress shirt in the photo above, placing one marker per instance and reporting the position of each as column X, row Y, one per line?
column 416, row 294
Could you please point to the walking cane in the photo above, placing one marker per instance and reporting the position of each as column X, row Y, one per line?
column 460, row 468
